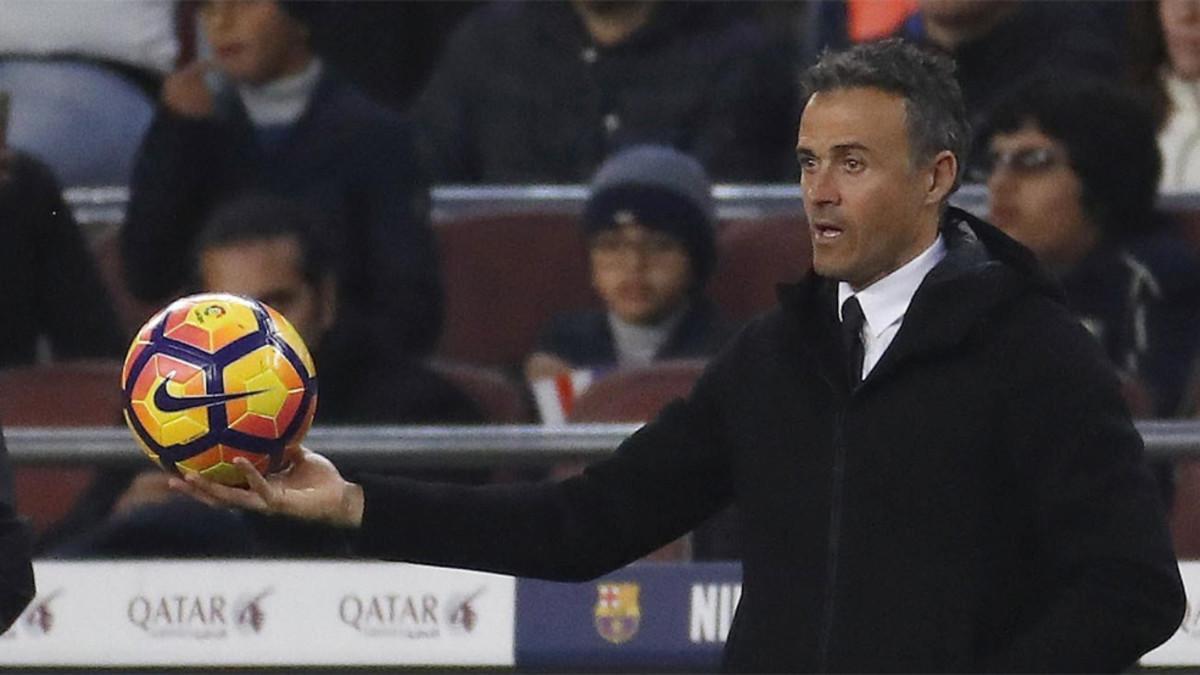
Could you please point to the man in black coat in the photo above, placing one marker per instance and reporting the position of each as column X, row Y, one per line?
column 954, row 485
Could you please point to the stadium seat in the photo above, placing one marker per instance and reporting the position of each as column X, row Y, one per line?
column 1185, row 504
column 753, row 256
column 636, row 394
column 81, row 118
column 1185, row 510
column 498, row 397
column 33, row 396
column 505, row 276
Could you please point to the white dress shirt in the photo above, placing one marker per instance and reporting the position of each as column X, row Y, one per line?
column 885, row 302
column 1179, row 139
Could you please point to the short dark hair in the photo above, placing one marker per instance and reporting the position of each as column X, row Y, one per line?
column 1109, row 135
column 936, row 114
column 258, row 217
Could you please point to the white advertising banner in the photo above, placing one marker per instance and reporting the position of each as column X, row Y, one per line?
column 153, row 613
column 1183, row 649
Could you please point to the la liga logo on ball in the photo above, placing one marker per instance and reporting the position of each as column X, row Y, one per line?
column 213, row 377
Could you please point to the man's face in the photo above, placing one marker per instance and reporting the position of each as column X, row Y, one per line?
column 1181, row 28
column 869, row 209
column 642, row 275
column 269, row 270
column 254, row 41
column 1035, row 196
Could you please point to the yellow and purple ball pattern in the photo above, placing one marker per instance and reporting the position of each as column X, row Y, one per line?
column 213, row 377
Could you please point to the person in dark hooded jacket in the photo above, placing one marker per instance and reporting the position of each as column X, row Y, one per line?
column 935, row 468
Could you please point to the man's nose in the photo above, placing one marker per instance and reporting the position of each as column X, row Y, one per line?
column 820, row 187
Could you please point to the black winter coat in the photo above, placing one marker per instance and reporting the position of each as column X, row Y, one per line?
column 979, row 502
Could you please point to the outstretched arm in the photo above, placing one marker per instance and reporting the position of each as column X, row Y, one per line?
column 662, row 482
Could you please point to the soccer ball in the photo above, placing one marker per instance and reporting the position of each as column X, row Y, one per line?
column 213, row 377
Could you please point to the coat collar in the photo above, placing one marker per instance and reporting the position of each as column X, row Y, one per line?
column 983, row 269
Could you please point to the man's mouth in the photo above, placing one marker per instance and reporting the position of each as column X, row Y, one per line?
column 822, row 230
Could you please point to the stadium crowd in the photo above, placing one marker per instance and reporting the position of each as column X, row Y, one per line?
column 288, row 150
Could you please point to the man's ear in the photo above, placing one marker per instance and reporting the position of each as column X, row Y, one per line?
column 942, row 175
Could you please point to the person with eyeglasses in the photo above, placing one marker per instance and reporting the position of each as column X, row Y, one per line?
column 1071, row 168
column 649, row 223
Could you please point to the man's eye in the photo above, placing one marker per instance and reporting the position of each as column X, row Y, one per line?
column 852, row 164
column 808, row 163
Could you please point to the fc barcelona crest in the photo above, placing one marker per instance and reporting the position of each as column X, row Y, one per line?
column 618, row 614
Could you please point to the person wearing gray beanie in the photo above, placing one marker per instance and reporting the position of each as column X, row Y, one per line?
column 662, row 189
column 650, row 227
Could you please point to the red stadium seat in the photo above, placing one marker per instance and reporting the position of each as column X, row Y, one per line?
column 505, row 276
column 34, row 396
column 1185, row 506
column 498, row 397
column 636, row 394
column 754, row 255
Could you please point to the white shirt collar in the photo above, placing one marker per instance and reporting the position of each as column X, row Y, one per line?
column 885, row 301
column 281, row 101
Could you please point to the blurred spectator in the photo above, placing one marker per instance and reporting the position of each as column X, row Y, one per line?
column 535, row 92
column 267, row 116
column 84, row 75
column 387, row 49
column 1073, row 169
column 650, row 222
column 51, row 288
column 138, row 38
column 16, row 572
column 1166, row 67
column 999, row 43
column 274, row 250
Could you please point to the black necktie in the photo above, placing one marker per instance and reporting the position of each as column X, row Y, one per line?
column 852, row 324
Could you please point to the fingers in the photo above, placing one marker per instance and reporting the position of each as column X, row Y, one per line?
column 196, row 68
column 183, row 487
column 186, row 93
column 542, row 365
column 256, row 482
column 214, row 494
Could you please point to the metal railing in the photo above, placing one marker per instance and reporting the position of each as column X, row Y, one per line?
column 94, row 206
